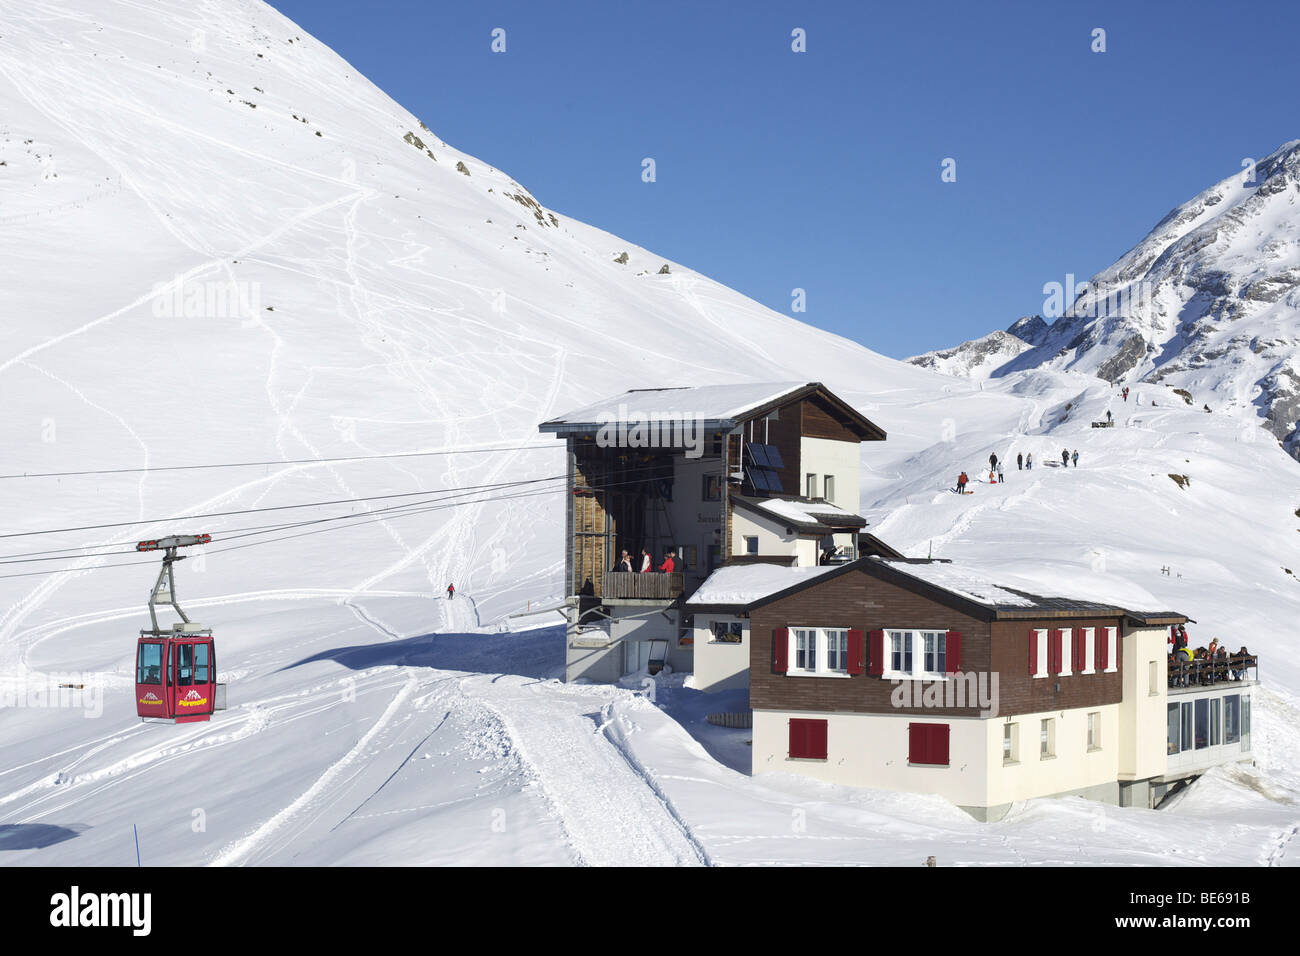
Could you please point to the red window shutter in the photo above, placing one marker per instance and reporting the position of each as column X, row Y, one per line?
column 1054, row 650
column 877, row 653
column 953, row 650
column 817, row 739
column 939, row 744
column 781, row 649
column 856, row 647
column 1103, row 649
column 1033, row 652
column 916, row 743
column 1077, row 634
column 807, row 739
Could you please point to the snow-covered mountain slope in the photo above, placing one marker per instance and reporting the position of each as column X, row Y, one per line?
column 197, row 277
column 225, row 245
column 979, row 358
column 1209, row 302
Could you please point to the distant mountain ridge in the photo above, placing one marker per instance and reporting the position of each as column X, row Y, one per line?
column 1209, row 302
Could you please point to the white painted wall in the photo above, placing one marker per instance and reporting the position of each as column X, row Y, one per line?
column 1073, row 768
column 718, row 665
column 772, row 536
column 1143, row 737
column 871, row 750
column 843, row 459
column 695, row 522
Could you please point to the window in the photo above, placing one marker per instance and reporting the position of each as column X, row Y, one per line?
column 927, row 744
column 1231, row 718
column 149, row 668
column 828, row 488
column 1063, row 651
column 1111, row 661
column 805, row 649
column 728, row 632
column 1216, row 721
column 751, row 544
column 1245, row 721
column 1094, row 731
column 810, row 482
column 1186, row 726
column 1202, row 724
column 1047, row 738
column 822, row 651
column 1173, row 734
column 1038, row 652
column 1010, row 744
column 712, row 490
column 807, row 739
column 1153, row 679
column 916, row 655
column 934, row 652
column 201, row 664
column 837, row 650
column 185, row 664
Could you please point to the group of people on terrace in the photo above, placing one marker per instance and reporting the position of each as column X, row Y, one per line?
column 646, row 563
column 1204, row 665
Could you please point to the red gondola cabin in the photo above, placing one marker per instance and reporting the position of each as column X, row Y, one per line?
column 176, row 677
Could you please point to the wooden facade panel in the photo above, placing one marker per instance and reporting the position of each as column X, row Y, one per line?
column 861, row 602
column 858, row 601
column 1022, row 694
column 820, row 422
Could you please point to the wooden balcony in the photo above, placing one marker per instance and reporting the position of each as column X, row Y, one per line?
column 647, row 586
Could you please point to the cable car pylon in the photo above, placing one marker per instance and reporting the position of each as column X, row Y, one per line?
column 176, row 667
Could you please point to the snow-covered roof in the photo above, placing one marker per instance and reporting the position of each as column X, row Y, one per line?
column 746, row 583
column 801, row 511
column 720, row 403
column 963, row 582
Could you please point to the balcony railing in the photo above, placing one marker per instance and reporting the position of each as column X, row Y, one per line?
column 647, row 586
column 1203, row 672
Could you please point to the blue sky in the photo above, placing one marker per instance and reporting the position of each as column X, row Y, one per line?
column 820, row 170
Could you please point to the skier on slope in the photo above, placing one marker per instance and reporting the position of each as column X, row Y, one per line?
column 1020, row 461
column 961, row 483
column 1065, row 458
column 451, row 591
column 1076, row 458
column 993, row 461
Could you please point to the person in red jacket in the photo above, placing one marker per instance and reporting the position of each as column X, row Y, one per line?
column 668, row 566
column 451, row 591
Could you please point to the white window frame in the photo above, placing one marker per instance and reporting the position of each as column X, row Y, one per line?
column 1153, row 678
column 810, row 485
column 1089, row 651
column 749, row 538
column 916, row 639
column 1093, row 733
column 1047, row 728
column 1041, row 635
column 1067, row 652
column 1013, row 737
column 1112, row 650
column 822, row 637
column 828, row 488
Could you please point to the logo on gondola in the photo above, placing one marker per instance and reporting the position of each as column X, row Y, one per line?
column 192, row 699
column 150, row 698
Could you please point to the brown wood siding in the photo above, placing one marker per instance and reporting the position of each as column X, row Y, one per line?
column 820, row 422
column 784, row 433
column 1021, row 694
column 858, row 600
